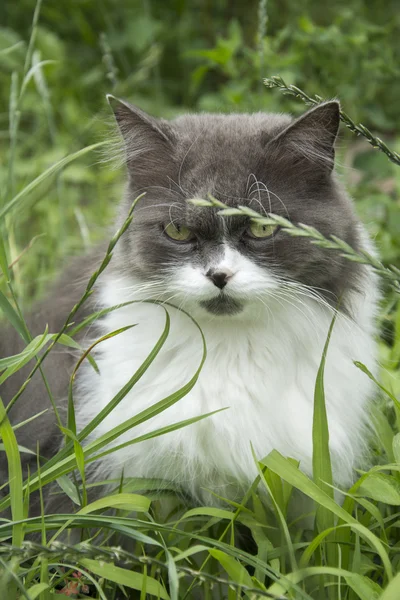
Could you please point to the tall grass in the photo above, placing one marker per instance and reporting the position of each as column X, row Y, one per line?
column 352, row 554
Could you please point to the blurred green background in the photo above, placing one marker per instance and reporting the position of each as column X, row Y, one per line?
column 170, row 56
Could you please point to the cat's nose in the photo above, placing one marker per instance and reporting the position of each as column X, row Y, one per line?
column 219, row 278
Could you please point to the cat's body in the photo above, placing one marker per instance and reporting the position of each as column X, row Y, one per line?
column 249, row 371
column 263, row 300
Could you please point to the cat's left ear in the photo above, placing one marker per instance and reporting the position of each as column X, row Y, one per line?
column 310, row 139
column 149, row 142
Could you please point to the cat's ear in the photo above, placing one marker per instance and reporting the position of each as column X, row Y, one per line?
column 309, row 140
column 148, row 142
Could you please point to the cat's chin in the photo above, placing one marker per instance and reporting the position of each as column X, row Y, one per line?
column 222, row 305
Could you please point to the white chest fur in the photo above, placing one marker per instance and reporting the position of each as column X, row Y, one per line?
column 261, row 367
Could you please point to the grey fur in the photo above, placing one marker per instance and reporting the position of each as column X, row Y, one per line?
column 265, row 161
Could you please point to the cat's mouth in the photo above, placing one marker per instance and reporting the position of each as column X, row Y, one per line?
column 222, row 305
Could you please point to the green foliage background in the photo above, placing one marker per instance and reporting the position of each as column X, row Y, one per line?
column 171, row 56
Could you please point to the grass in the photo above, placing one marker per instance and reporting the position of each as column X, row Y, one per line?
column 353, row 552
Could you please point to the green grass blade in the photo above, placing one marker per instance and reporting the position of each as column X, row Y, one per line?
column 322, row 467
column 56, row 168
column 12, row 316
column 26, row 356
column 129, row 385
column 148, row 436
column 280, row 516
column 71, row 423
column 235, row 570
column 365, row 370
column 14, row 474
column 9, row 582
column 283, row 467
column 63, row 462
column 3, row 260
column 31, row 73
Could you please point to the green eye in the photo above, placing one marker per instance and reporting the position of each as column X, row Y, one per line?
column 257, row 230
column 178, row 232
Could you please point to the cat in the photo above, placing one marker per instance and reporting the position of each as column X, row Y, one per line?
column 263, row 300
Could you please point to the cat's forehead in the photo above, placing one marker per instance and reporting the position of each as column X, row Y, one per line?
column 223, row 153
column 217, row 139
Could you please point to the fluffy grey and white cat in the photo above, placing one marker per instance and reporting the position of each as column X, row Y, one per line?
column 264, row 301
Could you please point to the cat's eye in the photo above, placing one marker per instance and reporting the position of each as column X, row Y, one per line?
column 177, row 232
column 258, row 230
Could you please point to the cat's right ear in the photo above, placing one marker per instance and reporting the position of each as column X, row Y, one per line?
column 308, row 142
column 148, row 142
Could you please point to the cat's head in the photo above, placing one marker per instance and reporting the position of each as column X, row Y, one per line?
column 269, row 162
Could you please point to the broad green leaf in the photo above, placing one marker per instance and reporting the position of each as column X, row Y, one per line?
column 206, row 511
column 127, row 578
column 375, row 512
column 173, row 578
column 124, row 501
column 235, row 570
column 69, row 489
column 365, row 370
column 382, row 488
column 383, row 431
column 363, row 586
column 131, row 502
column 392, row 590
column 396, row 446
column 37, row 589
column 276, row 489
